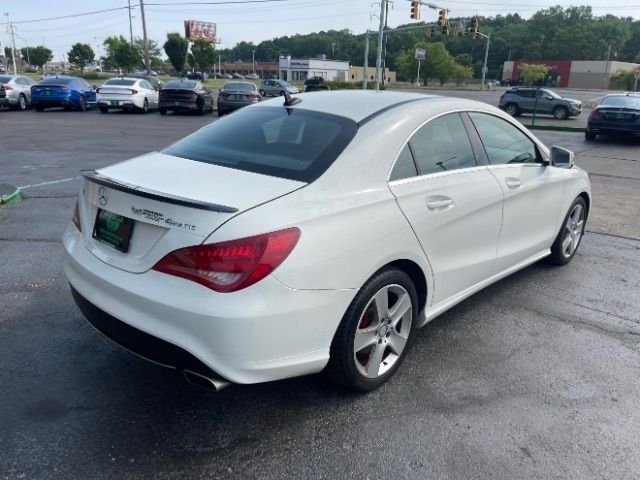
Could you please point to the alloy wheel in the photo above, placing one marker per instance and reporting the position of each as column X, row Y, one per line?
column 383, row 331
column 573, row 230
column 22, row 103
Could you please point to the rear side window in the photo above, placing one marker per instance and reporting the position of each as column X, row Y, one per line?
column 119, row 81
column 525, row 93
column 55, row 81
column 503, row 142
column 442, row 145
column 404, row 167
column 289, row 143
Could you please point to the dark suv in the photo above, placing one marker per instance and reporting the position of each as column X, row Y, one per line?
column 516, row 101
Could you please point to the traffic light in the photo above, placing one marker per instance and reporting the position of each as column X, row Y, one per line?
column 415, row 10
column 442, row 18
column 474, row 26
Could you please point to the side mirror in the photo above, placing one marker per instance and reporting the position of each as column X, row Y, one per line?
column 561, row 157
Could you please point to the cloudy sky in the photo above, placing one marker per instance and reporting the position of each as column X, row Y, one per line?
column 252, row 22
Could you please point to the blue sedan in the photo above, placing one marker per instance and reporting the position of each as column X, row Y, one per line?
column 67, row 92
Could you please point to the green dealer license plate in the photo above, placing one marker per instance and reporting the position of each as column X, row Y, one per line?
column 114, row 230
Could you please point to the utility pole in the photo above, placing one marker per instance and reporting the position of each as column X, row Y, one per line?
column 130, row 24
column 365, row 68
column 606, row 68
column 486, row 56
column 13, row 46
column 383, row 6
column 384, row 50
column 144, row 39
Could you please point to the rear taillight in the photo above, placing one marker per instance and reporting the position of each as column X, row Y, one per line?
column 8, row 87
column 133, row 92
column 162, row 92
column 233, row 265
column 594, row 114
column 253, row 96
column 223, row 94
column 76, row 216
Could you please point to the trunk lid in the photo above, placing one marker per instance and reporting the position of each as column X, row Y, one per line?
column 173, row 202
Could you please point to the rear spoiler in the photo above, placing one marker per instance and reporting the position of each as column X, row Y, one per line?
column 95, row 177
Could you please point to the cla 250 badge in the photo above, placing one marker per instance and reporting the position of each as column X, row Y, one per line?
column 159, row 217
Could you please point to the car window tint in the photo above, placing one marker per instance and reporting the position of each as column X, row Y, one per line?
column 525, row 93
column 503, row 142
column 621, row 101
column 404, row 167
column 296, row 144
column 442, row 145
column 56, row 81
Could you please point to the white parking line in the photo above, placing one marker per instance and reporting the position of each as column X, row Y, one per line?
column 50, row 183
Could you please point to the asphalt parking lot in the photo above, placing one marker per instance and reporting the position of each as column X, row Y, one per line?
column 536, row 377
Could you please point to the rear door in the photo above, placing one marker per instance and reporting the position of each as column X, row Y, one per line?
column 453, row 203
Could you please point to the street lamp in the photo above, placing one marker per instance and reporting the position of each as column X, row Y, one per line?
column 253, row 60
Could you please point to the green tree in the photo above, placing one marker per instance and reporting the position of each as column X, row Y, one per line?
column 155, row 52
column 461, row 74
column 81, row 54
column 204, row 55
column 532, row 73
column 121, row 54
column 176, row 49
column 624, row 79
column 37, row 56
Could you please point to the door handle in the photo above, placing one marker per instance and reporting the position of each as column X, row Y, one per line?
column 439, row 204
column 513, row 183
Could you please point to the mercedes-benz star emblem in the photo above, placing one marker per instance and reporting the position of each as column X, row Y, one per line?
column 102, row 196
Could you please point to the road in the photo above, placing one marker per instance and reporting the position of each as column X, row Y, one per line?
column 535, row 377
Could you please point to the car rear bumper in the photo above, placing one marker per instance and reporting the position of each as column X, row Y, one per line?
column 611, row 128
column 178, row 105
column 230, row 105
column 49, row 102
column 4, row 102
column 120, row 102
column 265, row 332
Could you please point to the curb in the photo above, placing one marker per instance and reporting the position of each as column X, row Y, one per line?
column 554, row 128
column 13, row 197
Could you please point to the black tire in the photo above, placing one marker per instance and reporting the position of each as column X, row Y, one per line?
column 345, row 365
column 512, row 109
column 104, row 109
column 201, row 109
column 281, row 93
column 221, row 113
column 22, row 103
column 163, row 111
column 82, row 104
column 589, row 136
column 559, row 254
column 145, row 106
column 262, row 93
column 560, row 113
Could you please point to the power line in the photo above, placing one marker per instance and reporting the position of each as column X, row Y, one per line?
column 223, row 2
column 72, row 16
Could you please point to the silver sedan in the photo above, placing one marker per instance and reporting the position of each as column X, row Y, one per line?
column 18, row 89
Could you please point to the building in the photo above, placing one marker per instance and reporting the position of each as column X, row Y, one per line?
column 263, row 69
column 571, row 73
column 356, row 74
column 299, row 69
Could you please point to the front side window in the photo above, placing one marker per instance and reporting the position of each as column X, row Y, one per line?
column 442, row 145
column 503, row 142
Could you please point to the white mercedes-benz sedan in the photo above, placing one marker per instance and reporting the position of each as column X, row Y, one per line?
column 316, row 234
column 127, row 94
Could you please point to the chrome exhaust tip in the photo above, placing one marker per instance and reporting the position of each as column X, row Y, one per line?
column 205, row 381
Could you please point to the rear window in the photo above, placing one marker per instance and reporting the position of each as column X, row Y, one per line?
column 120, row 81
column 5, row 79
column 288, row 143
column 621, row 101
column 55, row 81
column 239, row 86
column 181, row 84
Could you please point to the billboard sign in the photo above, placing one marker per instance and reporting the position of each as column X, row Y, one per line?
column 421, row 54
column 197, row 30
